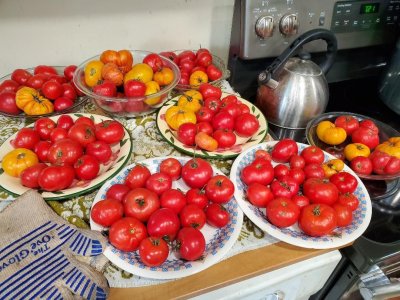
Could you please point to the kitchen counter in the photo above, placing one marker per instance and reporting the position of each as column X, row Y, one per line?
column 237, row 268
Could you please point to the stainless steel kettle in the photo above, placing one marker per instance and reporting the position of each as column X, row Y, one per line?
column 293, row 90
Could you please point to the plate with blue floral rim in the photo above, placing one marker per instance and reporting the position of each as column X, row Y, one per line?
column 242, row 143
column 293, row 235
column 218, row 240
column 120, row 156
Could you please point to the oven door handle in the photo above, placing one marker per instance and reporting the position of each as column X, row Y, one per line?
column 380, row 292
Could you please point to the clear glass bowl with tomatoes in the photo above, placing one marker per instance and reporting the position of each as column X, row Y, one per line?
column 127, row 83
column 385, row 132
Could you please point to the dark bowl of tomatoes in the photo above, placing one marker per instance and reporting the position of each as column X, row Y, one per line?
column 136, row 84
column 212, row 68
column 42, row 91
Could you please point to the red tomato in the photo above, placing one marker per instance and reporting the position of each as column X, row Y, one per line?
column 219, row 189
column 198, row 197
column 204, row 114
column 233, row 109
column 30, row 176
column 246, row 125
column 336, row 152
column 300, row 200
column 42, row 69
column 58, row 134
column 223, row 120
column 164, row 223
column 109, row 131
column 64, row 151
column 187, row 54
column 192, row 216
column 153, row 251
column 214, row 104
column 285, row 186
column 52, row 90
column 100, row 150
column 260, row 153
column 379, row 161
column 297, row 161
column 345, row 182
column 281, row 170
column 349, row 200
column 37, row 81
column 65, row 122
column 320, row 191
column 298, row 175
column 213, row 72
column 259, row 195
column 369, row 124
column 173, row 199
column 26, row 138
column 393, row 166
column 314, row 171
column 348, row 123
column 82, row 133
column 44, row 126
column 208, row 90
column 225, row 138
column 365, row 136
column 87, row 167
column 186, row 133
column 21, row 76
column 42, row 150
column 58, row 78
column 62, row 103
column 282, row 212
column 140, row 203
column 283, row 150
column 9, row 85
column 317, row 219
column 69, row 91
column 85, row 120
column 127, row 233
column 196, row 172
column 203, row 59
column 56, row 178
column 117, row 191
column 172, row 167
column 260, row 172
column 69, row 72
column 154, row 61
column 361, row 165
column 159, row 183
column 192, row 243
column 7, row 103
column 344, row 215
column 217, row 215
column 312, row 155
column 134, row 88
column 106, row 212
column 137, row 176
column 230, row 99
column 204, row 127
column 186, row 66
column 244, row 109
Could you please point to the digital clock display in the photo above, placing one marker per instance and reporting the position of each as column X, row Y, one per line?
column 369, row 8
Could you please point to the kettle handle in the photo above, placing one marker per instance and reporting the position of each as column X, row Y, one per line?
column 274, row 69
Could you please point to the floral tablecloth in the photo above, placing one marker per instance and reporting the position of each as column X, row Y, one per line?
column 147, row 143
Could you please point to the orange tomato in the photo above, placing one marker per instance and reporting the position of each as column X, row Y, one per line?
column 175, row 116
column 32, row 103
column 332, row 166
column 197, row 78
column 93, row 72
column 191, row 99
column 164, row 77
column 205, row 142
column 122, row 58
column 17, row 160
column 141, row 72
column 356, row 149
column 152, row 87
column 391, row 147
column 112, row 73
column 330, row 134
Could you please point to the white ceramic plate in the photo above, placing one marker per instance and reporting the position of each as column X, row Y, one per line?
column 121, row 154
column 293, row 235
column 241, row 143
column 218, row 240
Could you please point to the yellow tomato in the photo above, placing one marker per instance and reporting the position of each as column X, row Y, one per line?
column 322, row 126
column 330, row 134
column 356, row 149
column 93, row 72
column 205, row 142
column 152, row 87
column 332, row 166
column 32, row 103
column 164, row 77
column 176, row 116
column 192, row 100
column 197, row 78
column 391, row 147
column 17, row 160
column 142, row 72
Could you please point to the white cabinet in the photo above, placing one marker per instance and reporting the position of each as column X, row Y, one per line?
column 297, row 281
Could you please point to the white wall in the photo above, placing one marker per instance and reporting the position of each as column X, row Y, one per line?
column 63, row 32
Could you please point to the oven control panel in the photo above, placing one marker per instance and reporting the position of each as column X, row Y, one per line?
column 267, row 27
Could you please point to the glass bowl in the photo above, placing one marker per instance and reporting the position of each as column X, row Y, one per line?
column 77, row 104
column 218, row 62
column 385, row 132
column 127, row 106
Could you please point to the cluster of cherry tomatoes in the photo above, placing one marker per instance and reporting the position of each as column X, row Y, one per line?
column 206, row 119
column 56, row 91
column 300, row 187
column 52, row 154
column 145, row 213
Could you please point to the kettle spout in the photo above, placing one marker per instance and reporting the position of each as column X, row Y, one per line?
column 265, row 78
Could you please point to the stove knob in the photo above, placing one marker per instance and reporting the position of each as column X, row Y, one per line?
column 289, row 24
column 265, row 27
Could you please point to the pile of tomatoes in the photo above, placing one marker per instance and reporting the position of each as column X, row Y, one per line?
column 146, row 214
column 52, row 154
column 206, row 119
column 39, row 93
column 115, row 74
column 196, row 67
column 301, row 188
column 364, row 152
